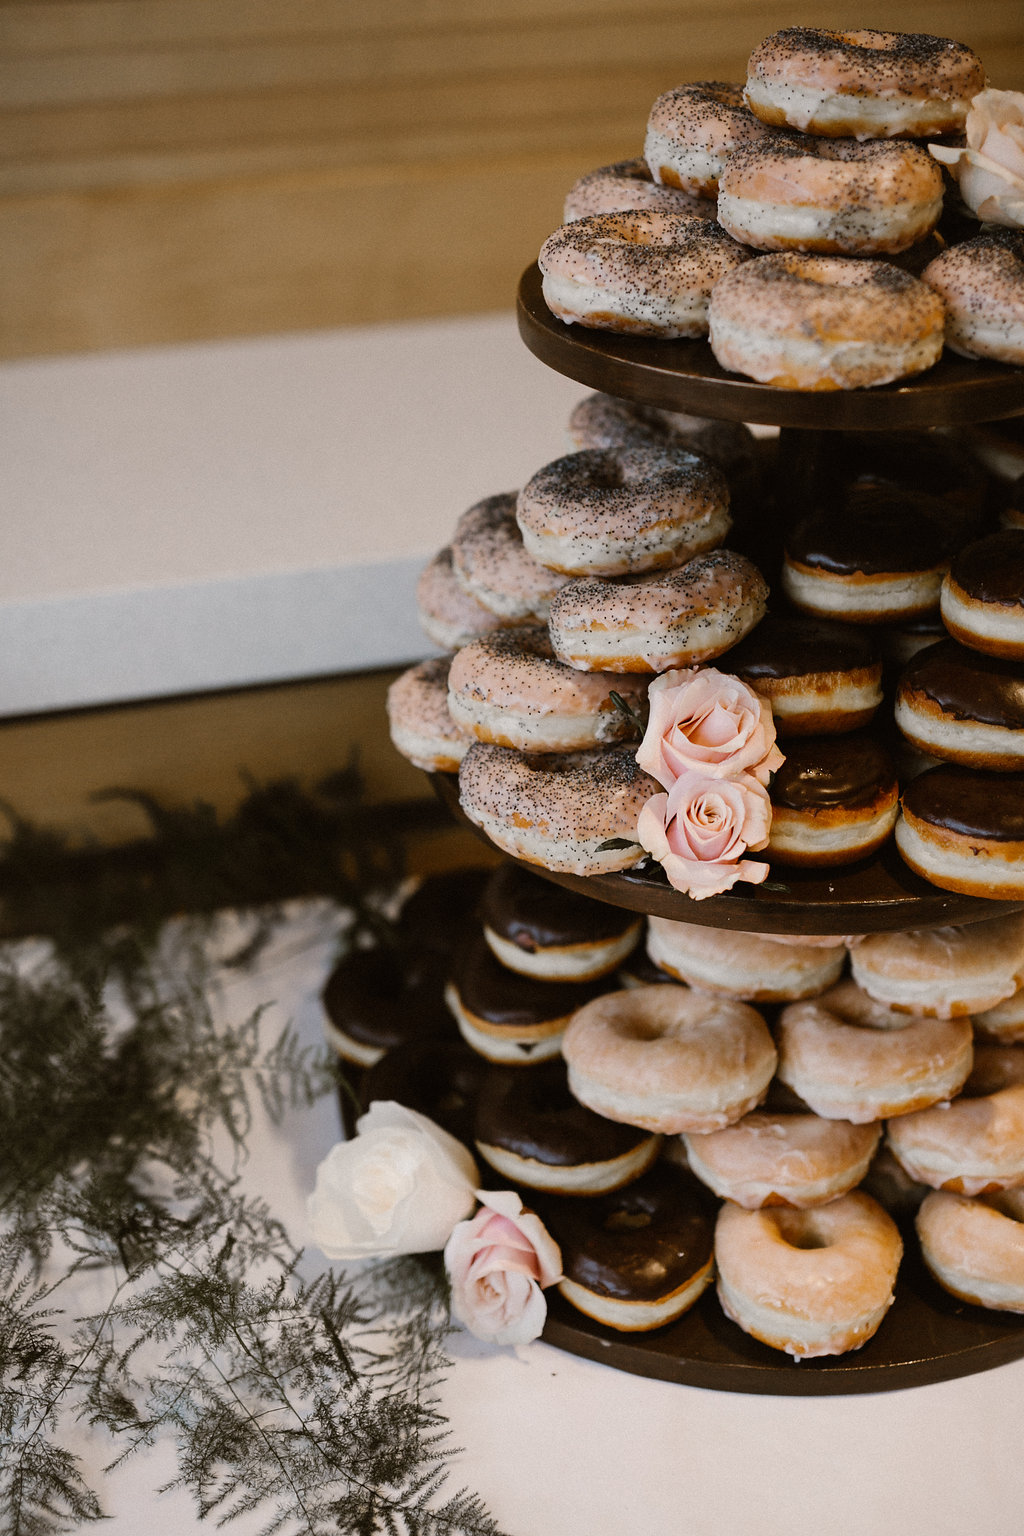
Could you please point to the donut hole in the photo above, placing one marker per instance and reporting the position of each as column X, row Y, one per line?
column 799, row 1229
column 628, row 1219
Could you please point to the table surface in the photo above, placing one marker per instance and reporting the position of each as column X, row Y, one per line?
column 224, row 513
column 555, row 1444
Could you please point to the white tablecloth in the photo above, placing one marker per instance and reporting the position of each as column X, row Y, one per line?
column 557, row 1445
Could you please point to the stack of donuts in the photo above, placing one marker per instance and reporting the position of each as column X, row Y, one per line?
column 762, row 1112
column 793, row 219
column 556, row 605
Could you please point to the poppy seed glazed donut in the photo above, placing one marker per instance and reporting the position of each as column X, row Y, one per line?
column 824, row 322
column 627, row 185
column 642, row 273
column 981, row 282
column 490, row 562
column 604, row 421
column 420, row 724
column 558, row 810
column 449, row 616
column 834, row 196
column 508, row 689
column 612, row 511
column 692, row 131
column 656, row 623
column 866, row 84
column 669, row 1059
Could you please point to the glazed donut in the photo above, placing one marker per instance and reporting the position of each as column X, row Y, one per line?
column 692, row 131
column 964, row 707
column 490, row 563
column 376, row 999
column 975, row 1248
column 511, row 1019
column 541, row 929
column 783, row 1159
column 943, row 972
column 508, row 689
column 982, row 597
column 447, row 613
column 1004, row 1022
column 981, row 283
column 669, row 1059
column 866, row 84
column 878, row 557
column 846, row 1067
column 420, row 725
column 603, row 421
column 572, row 812
column 820, row 678
column 531, row 1129
column 657, row 623
column 963, row 830
column 610, row 511
column 755, row 967
column 834, row 196
column 625, row 186
column 643, row 273
column 834, row 800
column 824, row 322
column 439, row 1077
column 815, row 1282
column 972, row 1146
column 637, row 1258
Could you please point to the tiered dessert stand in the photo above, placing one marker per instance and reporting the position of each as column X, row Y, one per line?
column 928, row 1335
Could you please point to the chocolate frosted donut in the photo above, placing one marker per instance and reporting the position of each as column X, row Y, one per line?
column 834, row 800
column 963, row 707
column 639, row 1257
column 963, row 829
column 438, row 914
column 541, row 929
column 821, row 678
column 375, row 999
column 877, row 558
column 441, row 1078
column 511, row 1019
column 982, row 599
column 531, row 1129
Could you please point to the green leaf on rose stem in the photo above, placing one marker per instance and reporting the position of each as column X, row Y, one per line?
column 627, row 710
column 774, row 885
column 615, row 843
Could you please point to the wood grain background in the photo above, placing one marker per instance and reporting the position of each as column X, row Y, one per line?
column 176, row 169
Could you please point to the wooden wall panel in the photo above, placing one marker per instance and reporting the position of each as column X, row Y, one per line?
column 172, row 169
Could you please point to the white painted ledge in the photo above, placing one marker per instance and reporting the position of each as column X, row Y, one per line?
column 188, row 518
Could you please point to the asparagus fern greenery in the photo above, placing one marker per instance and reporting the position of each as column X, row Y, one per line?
column 306, row 1397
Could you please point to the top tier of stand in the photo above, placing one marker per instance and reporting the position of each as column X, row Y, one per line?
column 684, row 376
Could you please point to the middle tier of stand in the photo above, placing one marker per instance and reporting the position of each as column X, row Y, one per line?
column 875, row 895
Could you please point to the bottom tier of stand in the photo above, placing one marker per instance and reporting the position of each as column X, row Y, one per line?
column 927, row 1336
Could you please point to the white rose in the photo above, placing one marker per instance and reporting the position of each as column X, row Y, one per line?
column 399, row 1186
column 990, row 171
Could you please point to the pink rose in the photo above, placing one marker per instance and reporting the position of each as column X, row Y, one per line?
column 706, row 721
column 498, row 1264
column 701, row 829
column 990, row 170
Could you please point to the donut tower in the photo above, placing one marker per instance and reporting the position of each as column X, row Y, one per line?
column 768, row 691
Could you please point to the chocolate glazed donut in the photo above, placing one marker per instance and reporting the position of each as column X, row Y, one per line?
column 440, row 1078
column 531, row 1129
column 637, row 1258
column 834, row 800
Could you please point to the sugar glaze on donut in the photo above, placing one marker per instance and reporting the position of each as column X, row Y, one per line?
column 692, row 131
column 627, row 185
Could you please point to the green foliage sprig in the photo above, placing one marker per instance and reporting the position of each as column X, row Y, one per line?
column 305, row 1396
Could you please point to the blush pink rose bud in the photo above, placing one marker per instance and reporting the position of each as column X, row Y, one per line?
column 990, row 170
column 705, row 721
column 701, row 829
column 399, row 1186
column 499, row 1265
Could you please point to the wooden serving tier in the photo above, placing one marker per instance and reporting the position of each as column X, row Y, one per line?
column 684, row 376
column 875, row 895
column 928, row 1336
